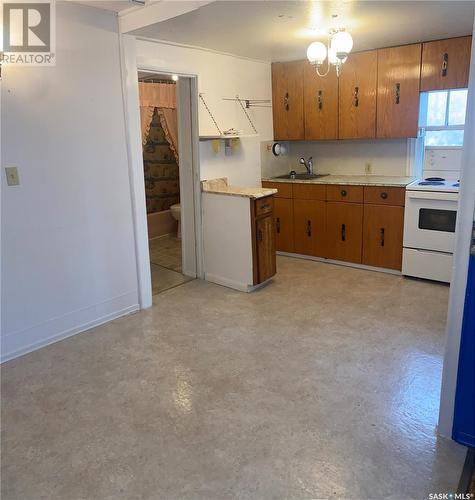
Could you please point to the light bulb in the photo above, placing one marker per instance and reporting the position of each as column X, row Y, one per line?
column 341, row 44
column 333, row 59
column 316, row 53
column 175, row 78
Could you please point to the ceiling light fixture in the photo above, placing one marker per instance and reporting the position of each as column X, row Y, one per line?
column 175, row 78
column 336, row 51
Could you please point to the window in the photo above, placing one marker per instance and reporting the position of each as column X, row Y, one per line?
column 443, row 117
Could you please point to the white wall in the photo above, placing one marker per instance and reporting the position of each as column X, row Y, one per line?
column 220, row 75
column 387, row 157
column 68, row 259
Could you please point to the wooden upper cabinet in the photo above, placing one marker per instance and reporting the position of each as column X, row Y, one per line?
column 446, row 64
column 398, row 91
column 357, row 96
column 320, row 104
column 287, row 100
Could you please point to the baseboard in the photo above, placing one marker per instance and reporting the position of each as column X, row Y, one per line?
column 219, row 280
column 341, row 263
column 22, row 342
column 161, row 224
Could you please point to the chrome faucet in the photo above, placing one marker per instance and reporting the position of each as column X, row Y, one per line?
column 307, row 164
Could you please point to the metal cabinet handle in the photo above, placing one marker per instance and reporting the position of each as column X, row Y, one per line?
column 398, row 93
column 381, row 236
column 265, row 206
column 445, row 64
column 277, row 225
column 286, row 101
column 309, row 228
column 343, row 192
column 356, row 98
column 343, row 232
column 320, row 99
column 384, row 195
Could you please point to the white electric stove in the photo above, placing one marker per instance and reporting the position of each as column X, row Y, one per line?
column 429, row 228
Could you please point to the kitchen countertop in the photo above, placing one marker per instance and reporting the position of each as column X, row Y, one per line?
column 220, row 186
column 355, row 180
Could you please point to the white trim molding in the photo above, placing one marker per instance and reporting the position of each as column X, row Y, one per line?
column 156, row 12
column 30, row 339
column 135, row 160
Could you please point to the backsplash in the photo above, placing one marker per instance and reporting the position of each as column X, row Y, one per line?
column 385, row 157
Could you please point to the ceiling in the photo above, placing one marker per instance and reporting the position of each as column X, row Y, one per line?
column 113, row 5
column 282, row 30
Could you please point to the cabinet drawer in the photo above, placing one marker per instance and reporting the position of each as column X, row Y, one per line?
column 382, row 195
column 264, row 206
column 309, row 191
column 352, row 194
column 284, row 189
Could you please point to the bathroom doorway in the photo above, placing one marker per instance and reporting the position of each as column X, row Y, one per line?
column 159, row 119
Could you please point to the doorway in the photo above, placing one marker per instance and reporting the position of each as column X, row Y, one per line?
column 159, row 111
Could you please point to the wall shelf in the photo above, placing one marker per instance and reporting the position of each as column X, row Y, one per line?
column 230, row 136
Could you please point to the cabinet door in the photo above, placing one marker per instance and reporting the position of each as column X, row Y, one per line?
column 287, row 100
column 445, row 64
column 357, row 103
column 309, row 227
column 382, row 236
column 265, row 248
column 320, row 104
column 279, row 101
column 344, row 225
column 398, row 91
column 284, row 225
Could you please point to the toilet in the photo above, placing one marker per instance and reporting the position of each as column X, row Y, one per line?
column 176, row 213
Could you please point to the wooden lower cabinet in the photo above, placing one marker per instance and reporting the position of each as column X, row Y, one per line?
column 265, row 243
column 309, row 227
column 382, row 236
column 344, row 229
column 284, row 224
column 356, row 224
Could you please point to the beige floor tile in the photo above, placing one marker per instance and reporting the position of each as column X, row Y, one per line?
column 166, row 251
column 323, row 384
column 163, row 278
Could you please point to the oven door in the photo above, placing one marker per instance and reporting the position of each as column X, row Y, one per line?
column 429, row 220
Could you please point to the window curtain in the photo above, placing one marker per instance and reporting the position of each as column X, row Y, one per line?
column 163, row 97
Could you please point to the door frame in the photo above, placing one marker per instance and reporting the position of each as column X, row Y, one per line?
column 458, row 285
column 190, row 187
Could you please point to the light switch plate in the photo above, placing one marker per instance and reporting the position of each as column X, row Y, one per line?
column 12, row 176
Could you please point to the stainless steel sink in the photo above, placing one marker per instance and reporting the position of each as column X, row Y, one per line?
column 301, row 176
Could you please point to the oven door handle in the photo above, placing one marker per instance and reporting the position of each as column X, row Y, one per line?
column 431, row 195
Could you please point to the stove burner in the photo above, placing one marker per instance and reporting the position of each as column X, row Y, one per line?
column 435, row 179
column 430, row 183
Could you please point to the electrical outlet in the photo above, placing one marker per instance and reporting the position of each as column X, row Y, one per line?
column 12, row 176
column 368, row 169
